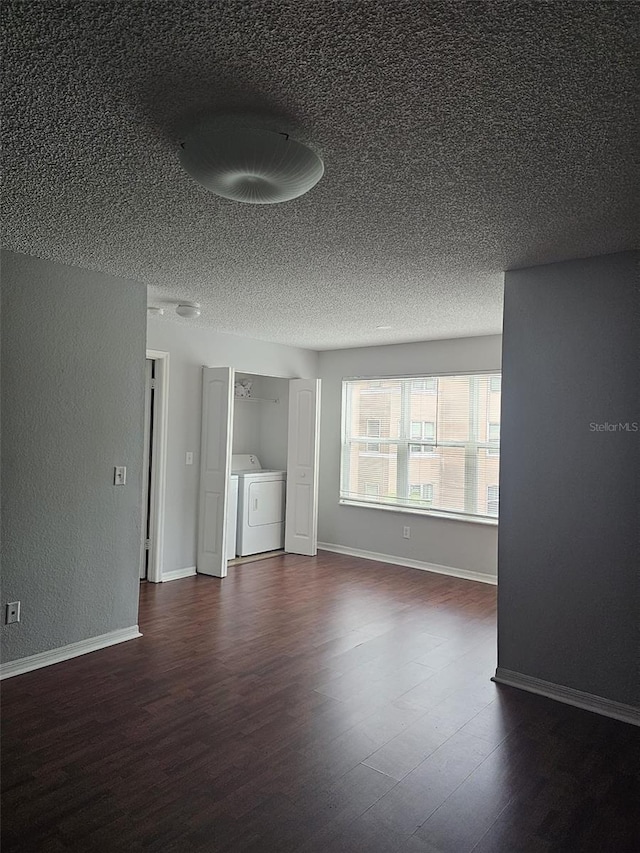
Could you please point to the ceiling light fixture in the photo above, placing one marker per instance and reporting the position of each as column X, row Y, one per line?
column 190, row 310
column 152, row 309
column 384, row 327
column 251, row 166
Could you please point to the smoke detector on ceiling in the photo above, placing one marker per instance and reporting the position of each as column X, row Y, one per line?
column 250, row 166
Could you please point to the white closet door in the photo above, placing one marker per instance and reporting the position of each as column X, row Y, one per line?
column 215, row 465
column 301, row 521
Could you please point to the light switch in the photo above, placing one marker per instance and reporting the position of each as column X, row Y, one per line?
column 119, row 475
column 189, row 458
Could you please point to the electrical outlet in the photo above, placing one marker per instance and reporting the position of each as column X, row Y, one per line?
column 406, row 532
column 12, row 613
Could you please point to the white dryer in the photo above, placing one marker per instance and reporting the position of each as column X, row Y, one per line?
column 261, row 501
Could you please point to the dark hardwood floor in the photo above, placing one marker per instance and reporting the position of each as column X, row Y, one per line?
column 309, row 704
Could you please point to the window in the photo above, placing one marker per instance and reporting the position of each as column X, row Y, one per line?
column 373, row 429
column 430, row 384
column 495, row 382
column 423, row 492
column 493, row 436
column 441, row 451
column 423, row 431
column 492, row 500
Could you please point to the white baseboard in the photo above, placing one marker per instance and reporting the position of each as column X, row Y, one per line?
column 587, row 701
column 176, row 574
column 73, row 650
column 465, row 574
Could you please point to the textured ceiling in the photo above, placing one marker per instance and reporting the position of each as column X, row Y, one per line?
column 460, row 139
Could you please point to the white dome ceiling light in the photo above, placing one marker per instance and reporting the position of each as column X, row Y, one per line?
column 189, row 310
column 251, row 166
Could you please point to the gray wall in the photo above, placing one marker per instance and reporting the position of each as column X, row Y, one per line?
column 569, row 606
column 456, row 544
column 72, row 408
column 191, row 347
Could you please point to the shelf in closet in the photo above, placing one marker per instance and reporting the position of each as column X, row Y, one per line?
column 256, row 399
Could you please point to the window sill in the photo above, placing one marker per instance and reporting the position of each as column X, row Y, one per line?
column 430, row 513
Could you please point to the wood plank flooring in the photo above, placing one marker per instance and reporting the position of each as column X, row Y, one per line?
column 309, row 704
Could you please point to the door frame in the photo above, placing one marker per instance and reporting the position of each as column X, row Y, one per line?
column 149, row 367
column 223, row 447
column 158, row 465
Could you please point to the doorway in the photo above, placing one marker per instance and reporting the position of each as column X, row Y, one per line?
column 302, row 437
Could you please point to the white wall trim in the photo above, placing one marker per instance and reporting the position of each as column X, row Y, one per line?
column 158, row 486
column 176, row 574
column 73, row 650
column 569, row 696
column 465, row 574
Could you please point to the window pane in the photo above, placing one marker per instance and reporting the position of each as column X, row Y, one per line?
column 373, row 426
column 436, row 450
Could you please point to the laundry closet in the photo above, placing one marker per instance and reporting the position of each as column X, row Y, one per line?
column 255, row 520
column 259, row 466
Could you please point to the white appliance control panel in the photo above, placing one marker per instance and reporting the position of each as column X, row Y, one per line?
column 245, row 462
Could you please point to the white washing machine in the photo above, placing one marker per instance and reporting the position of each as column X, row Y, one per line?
column 261, row 497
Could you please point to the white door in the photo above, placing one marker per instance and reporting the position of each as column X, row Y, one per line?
column 301, row 520
column 215, row 469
